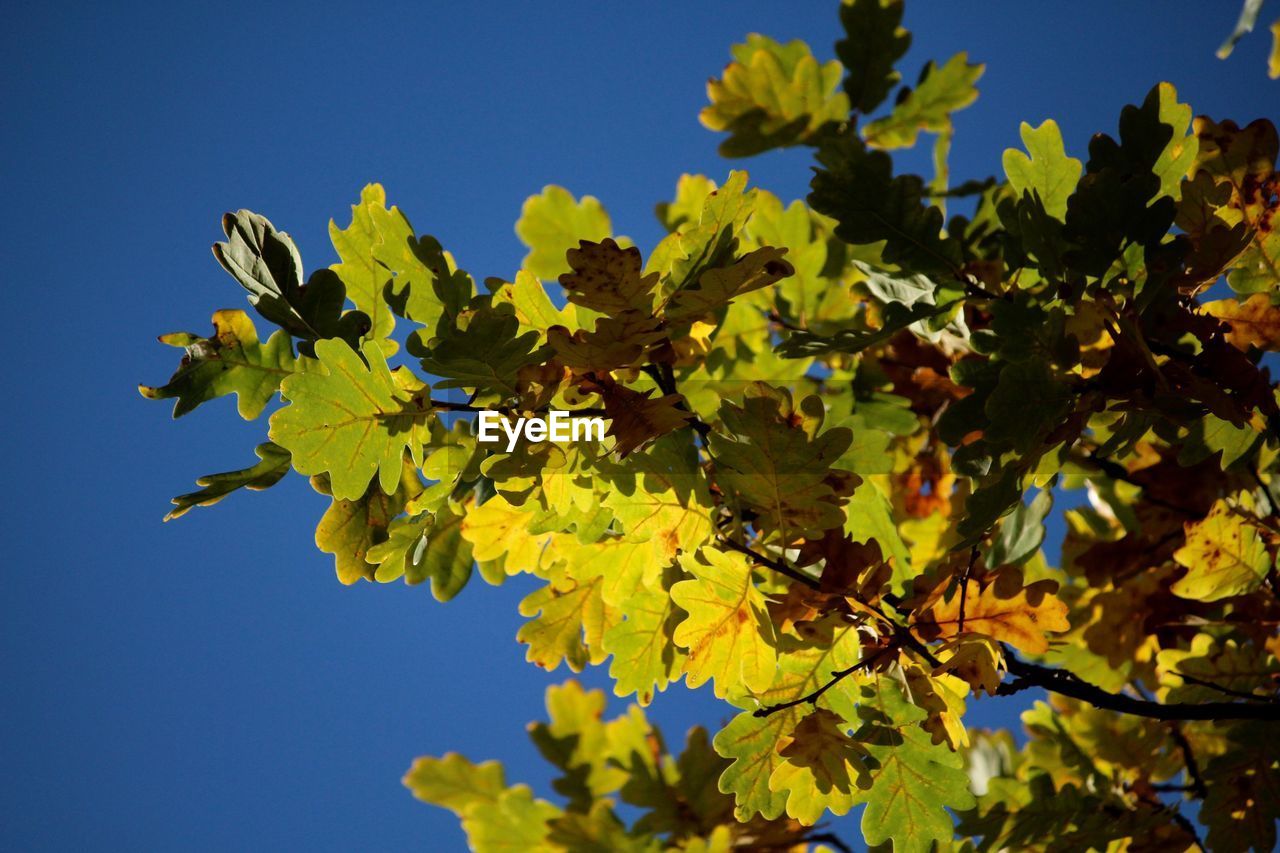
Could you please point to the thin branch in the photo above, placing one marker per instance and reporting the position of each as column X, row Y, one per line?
column 446, row 406
column 964, row 586
column 836, row 677
column 1171, row 788
column 902, row 638
column 977, row 291
column 1239, row 694
column 770, row 563
column 908, row 639
column 1027, row 675
column 664, row 377
column 775, row 317
column 1189, row 761
column 1188, row 827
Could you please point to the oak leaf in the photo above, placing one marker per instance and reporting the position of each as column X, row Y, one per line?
column 728, row 632
column 1253, row 322
column 1001, row 608
column 607, row 278
column 1224, row 554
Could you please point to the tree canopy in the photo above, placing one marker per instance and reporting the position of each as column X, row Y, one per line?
column 835, row 430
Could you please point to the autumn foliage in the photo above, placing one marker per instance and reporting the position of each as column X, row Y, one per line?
column 836, row 429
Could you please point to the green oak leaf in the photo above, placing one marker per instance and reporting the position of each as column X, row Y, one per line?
column 569, row 622
column 1211, row 435
column 857, row 188
column 942, row 90
column 1129, row 192
column 709, row 242
column 273, row 463
column 772, row 95
column 374, row 230
column 915, row 781
column 993, row 496
column 869, row 518
column 231, row 361
column 454, row 783
column 484, row 355
column 598, row 830
column 716, row 288
column 894, row 318
column 645, row 656
column 874, row 42
column 553, row 222
column 576, row 742
column 427, row 286
column 750, row 741
column 1048, row 172
column 349, row 420
column 515, row 822
column 351, row 529
column 774, row 458
column 267, row 264
column 427, row 546
column 1021, row 532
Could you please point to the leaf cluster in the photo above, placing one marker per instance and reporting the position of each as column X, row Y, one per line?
column 836, row 428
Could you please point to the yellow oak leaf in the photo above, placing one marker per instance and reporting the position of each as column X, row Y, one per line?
column 570, row 620
column 942, row 698
column 1224, row 553
column 1254, row 322
column 662, row 498
column 645, row 658
column 728, row 631
column 624, row 568
column 497, row 529
column 977, row 661
column 1001, row 608
column 822, row 770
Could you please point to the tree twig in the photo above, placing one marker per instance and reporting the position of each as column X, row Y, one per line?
column 446, row 406
column 964, row 586
column 836, row 677
column 1197, row 786
column 770, row 563
column 1239, row 694
column 1027, row 675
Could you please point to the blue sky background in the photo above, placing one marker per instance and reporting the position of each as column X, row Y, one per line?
column 207, row 683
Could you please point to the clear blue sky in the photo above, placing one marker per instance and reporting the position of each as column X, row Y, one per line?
column 207, row 683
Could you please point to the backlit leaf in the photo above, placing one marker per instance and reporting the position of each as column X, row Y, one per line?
column 272, row 465
column 349, row 420
column 552, row 222
column 942, row 90
column 231, row 361
column 772, row 95
column 1000, row 608
column 727, row 631
column 1225, row 554
column 1045, row 171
